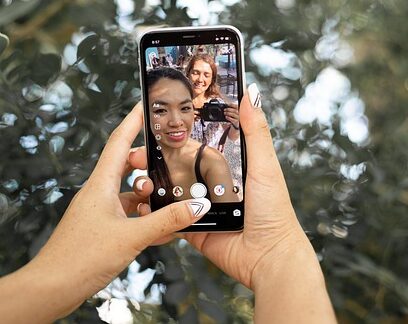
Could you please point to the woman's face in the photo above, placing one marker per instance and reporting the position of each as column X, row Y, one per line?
column 201, row 76
column 171, row 113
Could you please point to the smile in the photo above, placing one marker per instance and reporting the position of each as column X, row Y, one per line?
column 178, row 136
column 176, row 133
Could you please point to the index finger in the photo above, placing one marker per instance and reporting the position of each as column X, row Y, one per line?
column 113, row 159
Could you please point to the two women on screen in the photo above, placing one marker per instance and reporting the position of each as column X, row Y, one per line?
column 178, row 159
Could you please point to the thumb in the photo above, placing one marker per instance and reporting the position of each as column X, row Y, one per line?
column 262, row 160
column 168, row 220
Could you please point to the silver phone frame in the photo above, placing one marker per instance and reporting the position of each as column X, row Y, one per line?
column 243, row 80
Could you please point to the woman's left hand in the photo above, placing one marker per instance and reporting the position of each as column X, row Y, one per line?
column 95, row 240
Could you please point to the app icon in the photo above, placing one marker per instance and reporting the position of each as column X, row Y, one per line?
column 156, row 126
column 161, row 192
column 235, row 189
column 156, row 115
column 198, row 190
column 158, row 137
column 219, row 190
column 158, row 147
column 178, row 191
column 155, row 105
column 236, row 212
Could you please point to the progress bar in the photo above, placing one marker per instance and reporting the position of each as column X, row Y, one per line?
column 204, row 224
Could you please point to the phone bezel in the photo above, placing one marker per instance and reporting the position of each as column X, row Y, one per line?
column 193, row 36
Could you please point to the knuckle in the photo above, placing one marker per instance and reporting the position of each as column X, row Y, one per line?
column 259, row 125
column 115, row 135
column 261, row 120
column 176, row 214
column 119, row 135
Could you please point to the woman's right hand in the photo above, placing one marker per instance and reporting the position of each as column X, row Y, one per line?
column 272, row 255
column 271, row 225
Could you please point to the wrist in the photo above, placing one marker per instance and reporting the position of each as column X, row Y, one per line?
column 30, row 289
column 61, row 288
column 295, row 256
column 289, row 287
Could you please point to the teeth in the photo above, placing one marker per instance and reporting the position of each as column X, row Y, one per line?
column 176, row 134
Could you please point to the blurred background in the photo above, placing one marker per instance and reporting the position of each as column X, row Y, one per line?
column 334, row 80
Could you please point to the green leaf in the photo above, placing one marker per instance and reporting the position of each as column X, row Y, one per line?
column 17, row 73
column 87, row 46
column 15, row 10
column 4, row 41
column 177, row 292
column 45, row 67
column 15, row 56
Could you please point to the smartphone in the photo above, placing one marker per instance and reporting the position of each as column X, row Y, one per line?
column 192, row 81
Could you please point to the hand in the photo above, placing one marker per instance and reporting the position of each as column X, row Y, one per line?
column 270, row 222
column 95, row 240
column 197, row 114
column 232, row 115
column 272, row 255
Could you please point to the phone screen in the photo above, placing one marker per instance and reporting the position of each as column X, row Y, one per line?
column 192, row 83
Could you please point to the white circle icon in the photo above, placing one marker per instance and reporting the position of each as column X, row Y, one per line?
column 178, row 191
column 198, row 190
column 161, row 192
column 219, row 190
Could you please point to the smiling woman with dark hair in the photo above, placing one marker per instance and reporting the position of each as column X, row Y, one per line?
column 179, row 160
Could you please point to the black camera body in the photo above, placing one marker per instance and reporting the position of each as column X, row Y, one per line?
column 213, row 111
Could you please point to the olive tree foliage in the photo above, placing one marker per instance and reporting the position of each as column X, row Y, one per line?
column 333, row 75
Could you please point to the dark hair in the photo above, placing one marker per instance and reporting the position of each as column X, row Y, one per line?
column 155, row 75
column 160, row 174
column 213, row 89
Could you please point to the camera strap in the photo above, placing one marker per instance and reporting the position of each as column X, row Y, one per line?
column 203, row 132
column 223, row 139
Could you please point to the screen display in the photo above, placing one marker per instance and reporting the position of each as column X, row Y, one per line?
column 192, row 92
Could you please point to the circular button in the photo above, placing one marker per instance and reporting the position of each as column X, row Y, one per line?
column 198, row 190
column 178, row 191
column 219, row 190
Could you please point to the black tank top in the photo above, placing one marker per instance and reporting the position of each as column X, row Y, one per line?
column 198, row 175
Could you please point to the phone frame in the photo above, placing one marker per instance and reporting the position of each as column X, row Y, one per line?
column 200, row 36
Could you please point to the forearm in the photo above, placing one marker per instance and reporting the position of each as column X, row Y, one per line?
column 31, row 295
column 291, row 288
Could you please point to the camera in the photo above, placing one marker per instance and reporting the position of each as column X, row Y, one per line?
column 214, row 111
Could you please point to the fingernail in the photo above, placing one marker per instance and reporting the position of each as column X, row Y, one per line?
column 138, row 207
column 254, row 95
column 140, row 183
column 199, row 206
column 133, row 150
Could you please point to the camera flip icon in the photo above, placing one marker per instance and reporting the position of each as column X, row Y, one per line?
column 236, row 212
